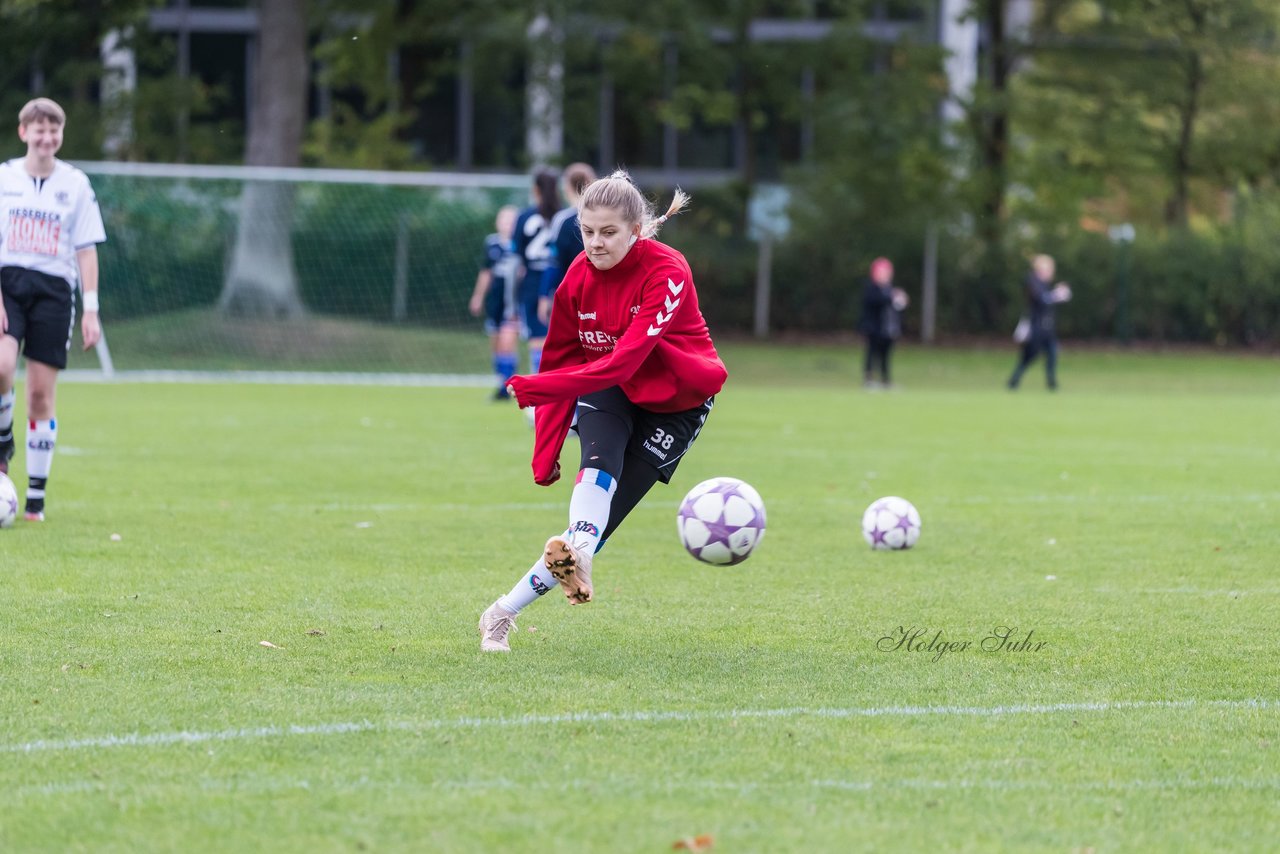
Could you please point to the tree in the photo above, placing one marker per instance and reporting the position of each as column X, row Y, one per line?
column 878, row 177
column 1150, row 109
column 263, row 281
column 52, row 49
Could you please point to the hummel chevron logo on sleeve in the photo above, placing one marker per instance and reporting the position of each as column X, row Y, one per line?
column 670, row 305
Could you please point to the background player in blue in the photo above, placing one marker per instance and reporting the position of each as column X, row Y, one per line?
column 566, row 236
column 532, row 242
column 50, row 228
column 494, row 296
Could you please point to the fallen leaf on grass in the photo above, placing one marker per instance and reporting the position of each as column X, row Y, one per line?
column 269, row 645
column 702, row 842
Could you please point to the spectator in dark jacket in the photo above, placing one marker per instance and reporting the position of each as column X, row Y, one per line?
column 882, row 306
column 1035, row 330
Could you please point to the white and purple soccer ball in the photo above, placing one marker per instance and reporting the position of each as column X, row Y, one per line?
column 891, row 523
column 721, row 521
column 8, row 501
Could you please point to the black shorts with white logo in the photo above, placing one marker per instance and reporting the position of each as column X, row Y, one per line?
column 41, row 311
column 659, row 438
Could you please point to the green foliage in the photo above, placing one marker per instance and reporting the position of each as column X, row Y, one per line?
column 194, row 225
column 1219, row 285
column 1110, row 91
column 58, row 41
column 879, row 177
column 347, row 140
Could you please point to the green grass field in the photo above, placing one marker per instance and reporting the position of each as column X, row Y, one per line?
column 1129, row 521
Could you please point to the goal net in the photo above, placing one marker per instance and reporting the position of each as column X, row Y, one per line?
column 216, row 269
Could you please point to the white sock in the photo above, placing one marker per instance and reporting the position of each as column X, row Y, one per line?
column 589, row 508
column 6, row 413
column 41, row 438
column 535, row 583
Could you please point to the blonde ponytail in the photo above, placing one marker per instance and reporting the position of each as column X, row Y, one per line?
column 619, row 192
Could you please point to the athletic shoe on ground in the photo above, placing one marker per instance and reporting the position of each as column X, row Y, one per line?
column 496, row 624
column 571, row 567
column 6, row 454
column 34, row 511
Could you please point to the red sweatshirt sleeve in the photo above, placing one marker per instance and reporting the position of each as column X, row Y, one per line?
column 551, row 420
column 662, row 297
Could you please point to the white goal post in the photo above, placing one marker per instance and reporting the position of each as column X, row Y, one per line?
column 380, row 266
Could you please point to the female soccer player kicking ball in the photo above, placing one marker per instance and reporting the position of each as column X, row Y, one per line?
column 628, row 347
column 50, row 226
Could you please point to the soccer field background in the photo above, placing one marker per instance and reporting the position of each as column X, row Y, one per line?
column 1128, row 522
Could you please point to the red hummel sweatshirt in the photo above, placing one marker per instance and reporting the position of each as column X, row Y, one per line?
column 636, row 326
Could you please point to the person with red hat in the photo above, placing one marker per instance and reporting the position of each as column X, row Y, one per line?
column 882, row 306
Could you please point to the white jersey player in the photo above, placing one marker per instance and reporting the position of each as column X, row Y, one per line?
column 50, row 227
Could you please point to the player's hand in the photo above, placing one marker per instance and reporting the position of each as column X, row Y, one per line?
column 90, row 329
column 4, row 320
column 544, row 309
column 476, row 305
column 900, row 299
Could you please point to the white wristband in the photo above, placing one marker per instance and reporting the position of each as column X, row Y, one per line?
column 90, row 301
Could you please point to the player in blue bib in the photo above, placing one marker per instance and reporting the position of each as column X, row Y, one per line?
column 494, row 297
column 531, row 241
column 566, row 236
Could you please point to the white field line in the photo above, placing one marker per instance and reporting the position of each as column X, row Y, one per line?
column 397, row 786
column 160, row 739
column 281, row 378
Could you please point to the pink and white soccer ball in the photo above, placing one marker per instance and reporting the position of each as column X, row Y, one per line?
column 8, row 501
column 721, row 521
column 891, row 523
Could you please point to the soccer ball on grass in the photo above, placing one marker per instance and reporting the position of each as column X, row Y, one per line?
column 8, row 501
column 721, row 521
column 891, row 523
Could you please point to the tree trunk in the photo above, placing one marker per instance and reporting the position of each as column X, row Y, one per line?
column 1176, row 209
column 263, row 281
column 544, row 93
column 743, row 135
column 994, row 153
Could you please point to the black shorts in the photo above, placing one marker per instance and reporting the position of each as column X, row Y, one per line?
column 499, row 305
column 42, row 312
column 528, row 299
column 659, row 438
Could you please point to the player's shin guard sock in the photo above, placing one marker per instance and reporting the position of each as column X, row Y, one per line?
column 6, row 429
column 41, row 438
column 6, row 413
column 589, row 508
column 535, row 359
column 536, row 582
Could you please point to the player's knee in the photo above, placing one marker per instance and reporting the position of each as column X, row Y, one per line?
column 40, row 402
